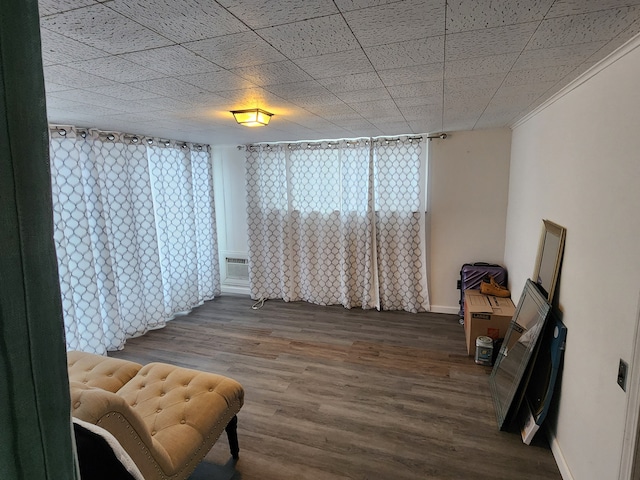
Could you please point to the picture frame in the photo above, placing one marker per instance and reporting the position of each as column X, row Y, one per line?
column 549, row 258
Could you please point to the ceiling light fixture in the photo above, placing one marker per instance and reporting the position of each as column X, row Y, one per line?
column 253, row 117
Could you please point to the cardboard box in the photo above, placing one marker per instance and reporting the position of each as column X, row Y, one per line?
column 485, row 315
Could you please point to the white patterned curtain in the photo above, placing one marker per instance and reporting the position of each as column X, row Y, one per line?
column 133, row 219
column 338, row 223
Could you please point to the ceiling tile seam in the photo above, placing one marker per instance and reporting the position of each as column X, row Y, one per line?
column 144, row 27
column 621, row 7
column 69, row 10
column 620, row 52
column 510, row 70
column 374, row 70
column 121, row 56
column 365, row 8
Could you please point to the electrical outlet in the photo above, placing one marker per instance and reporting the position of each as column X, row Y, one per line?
column 623, row 367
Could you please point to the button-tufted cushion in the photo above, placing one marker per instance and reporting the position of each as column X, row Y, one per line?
column 99, row 371
column 177, row 405
column 111, row 412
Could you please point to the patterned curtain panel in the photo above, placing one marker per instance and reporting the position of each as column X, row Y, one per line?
column 338, row 223
column 134, row 233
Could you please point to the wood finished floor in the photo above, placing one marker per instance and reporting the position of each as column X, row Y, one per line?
column 340, row 394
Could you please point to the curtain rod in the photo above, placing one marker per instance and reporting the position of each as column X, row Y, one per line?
column 335, row 143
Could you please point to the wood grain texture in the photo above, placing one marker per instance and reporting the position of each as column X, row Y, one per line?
column 339, row 394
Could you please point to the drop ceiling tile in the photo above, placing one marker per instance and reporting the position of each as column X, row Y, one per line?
column 123, row 92
column 585, row 28
column 171, row 61
column 357, row 125
column 312, row 37
column 464, row 15
column 407, row 54
column 60, row 116
column 267, row 13
column 616, row 43
column 63, row 75
column 536, row 75
column 460, row 84
column 421, row 112
column 422, row 101
column 416, row 89
column 168, row 87
column 51, row 87
column 338, row 111
column 218, row 81
column 365, row 132
column 399, row 127
column 455, row 124
column 336, row 64
column 489, row 120
column 569, row 55
column 355, row 122
column 273, row 73
column 521, row 95
column 490, row 41
column 91, row 98
column 347, row 5
column 100, row 27
column 372, row 109
column 181, row 20
column 349, row 83
column 297, row 89
column 251, row 98
column 316, row 100
column 116, row 69
column 50, row 7
column 397, row 22
column 562, row 8
column 58, row 49
column 415, row 74
column 204, row 100
column 166, row 103
column 428, row 125
column 237, row 50
column 468, row 100
column 365, row 95
column 480, row 65
column 80, row 108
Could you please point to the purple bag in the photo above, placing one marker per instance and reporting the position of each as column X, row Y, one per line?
column 472, row 274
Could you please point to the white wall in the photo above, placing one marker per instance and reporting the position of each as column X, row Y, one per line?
column 468, row 191
column 577, row 163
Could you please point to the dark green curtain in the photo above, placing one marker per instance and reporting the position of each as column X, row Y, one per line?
column 35, row 430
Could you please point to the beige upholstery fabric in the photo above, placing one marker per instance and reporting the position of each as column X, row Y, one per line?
column 97, row 371
column 167, row 418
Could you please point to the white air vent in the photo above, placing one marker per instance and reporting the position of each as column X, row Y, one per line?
column 237, row 268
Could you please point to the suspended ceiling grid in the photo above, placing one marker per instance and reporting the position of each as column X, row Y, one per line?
column 326, row 68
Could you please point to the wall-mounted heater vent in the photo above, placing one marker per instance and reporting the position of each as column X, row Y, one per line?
column 237, row 268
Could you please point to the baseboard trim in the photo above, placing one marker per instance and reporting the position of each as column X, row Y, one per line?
column 443, row 309
column 559, row 457
column 236, row 289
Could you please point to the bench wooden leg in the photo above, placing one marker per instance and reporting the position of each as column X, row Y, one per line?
column 232, row 435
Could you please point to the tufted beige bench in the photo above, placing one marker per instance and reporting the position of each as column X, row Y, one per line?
column 166, row 418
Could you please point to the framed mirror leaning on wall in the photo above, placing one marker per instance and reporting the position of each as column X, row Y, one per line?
column 547, row 267
column 507, row 381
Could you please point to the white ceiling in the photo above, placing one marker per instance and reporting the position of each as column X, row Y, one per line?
column 326, row 68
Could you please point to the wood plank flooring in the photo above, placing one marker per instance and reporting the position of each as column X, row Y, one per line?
column 341, row 394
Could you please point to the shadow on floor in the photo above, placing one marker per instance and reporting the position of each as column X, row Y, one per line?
column 212, row 471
